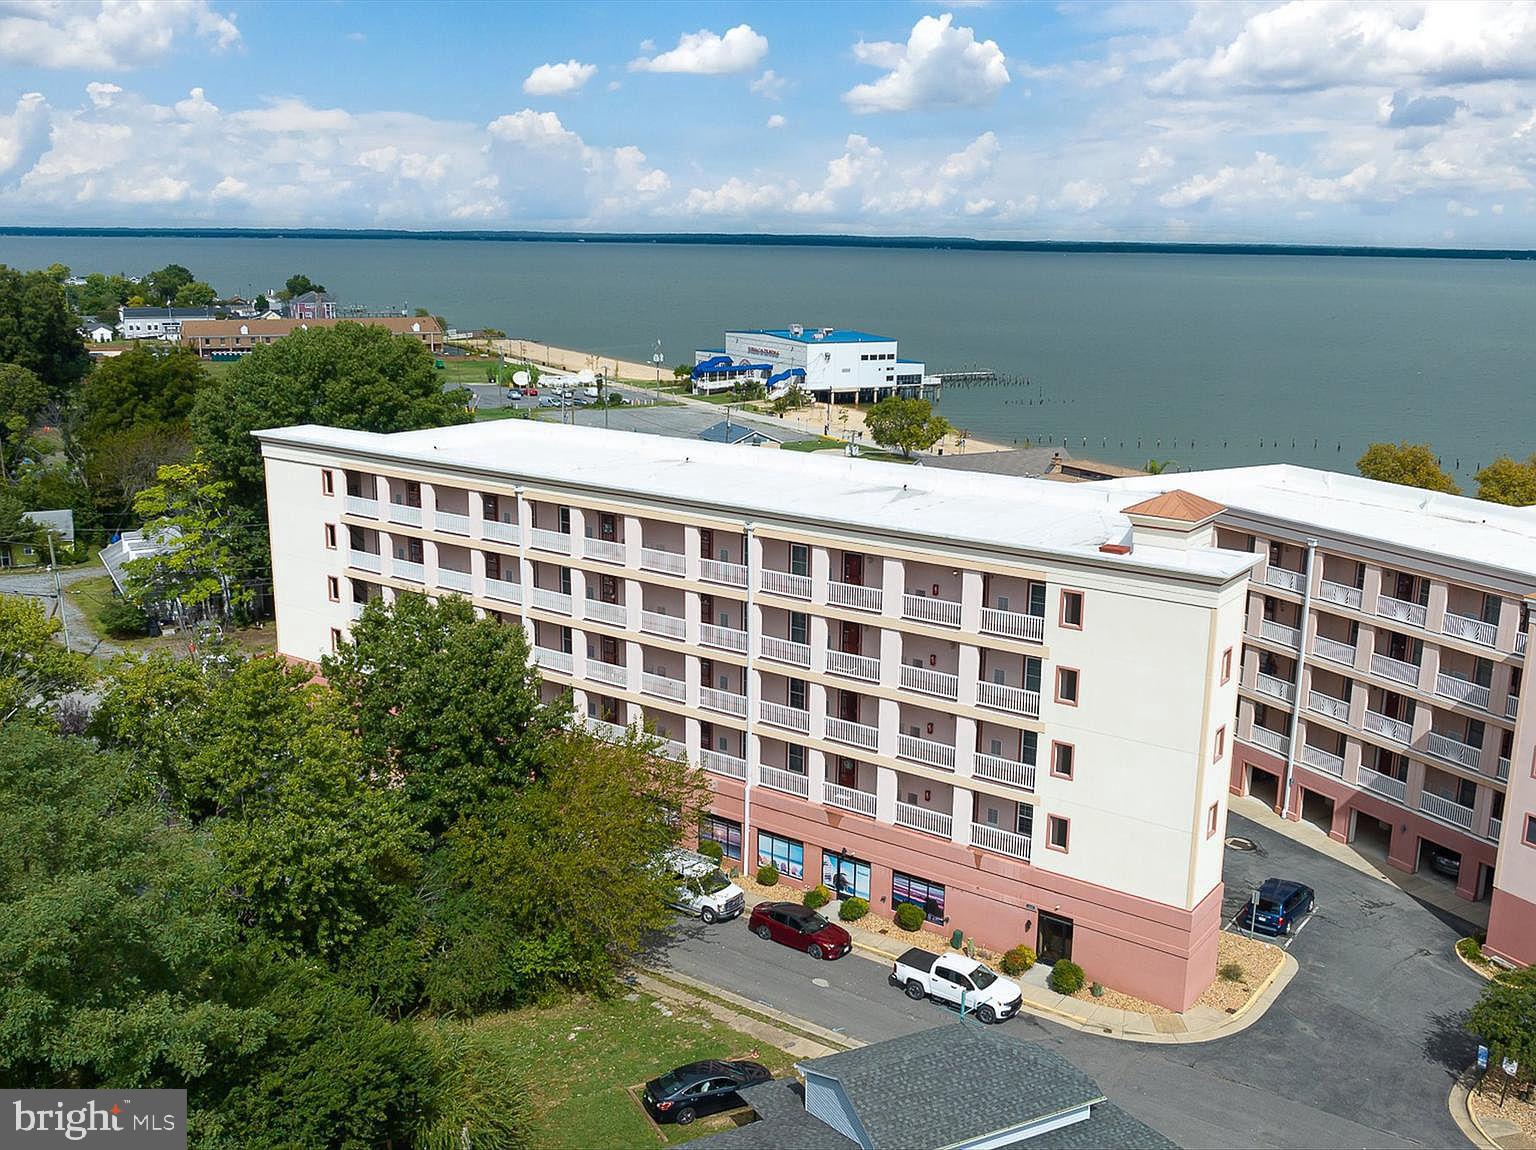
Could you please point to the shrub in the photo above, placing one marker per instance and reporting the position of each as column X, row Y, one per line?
column 1231, row 972
column 1097, row 990
column 1018, row 960
column 1470, row 949
column 122, row 620
column 768, row 875
column 817, row 897
column 853, row 909
column 712, row 850
column 909, row 916
column 1066, row 977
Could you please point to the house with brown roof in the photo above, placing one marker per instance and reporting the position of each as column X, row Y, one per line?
column 231, row 338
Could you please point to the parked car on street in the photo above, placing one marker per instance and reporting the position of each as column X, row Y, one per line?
column 801, row 927
column 957, row 981
column 1281, row 903
column 702, row 888
column 699, row 1088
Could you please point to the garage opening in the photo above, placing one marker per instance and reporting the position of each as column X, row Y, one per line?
column 1264, row 786
column 1371, row 836
column 1317, row 809
column 1438, row 862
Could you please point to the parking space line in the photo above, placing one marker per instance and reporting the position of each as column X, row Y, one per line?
column 1301, row 926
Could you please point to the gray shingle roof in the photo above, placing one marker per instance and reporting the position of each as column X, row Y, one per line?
column 783, row 1124
column 735, row 432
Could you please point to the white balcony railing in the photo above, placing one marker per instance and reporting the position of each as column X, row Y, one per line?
column 1520, row 643
column 1388, row 727
column 930, row 682
column 720, row 763
column 786, row 651
column 1323, row 760
column 1466, row 627
column 1280, row 633
column 853, row 666
column 453, row 580
column 1447, row 809
column 363, row 508
column 605, row 550
column 714, row 571
column 1275, row 687
column 793, row 718
column 998, row 841
column 726, row 638
column 407, row 570
column 1397, row 670
column 1328, row 705
column 1511, row 706
column 1373, row 780
column 944, row 612
column 451, row 522
column 547, row 600
column 603, row 729
column 1344, row 595
column 849, row 799
column 1012, row 624
column 663, row 686
column 1000, row 770
column 855, row 734
column 785, row 583
column 923, row 819
column 1495, row 828
column 854, row 595
column 655, row 623
column 926, row 751
column 1269, row 740
column 1462, row 690
column 544, row 540
column 503, row 589
column 1501, row 770
column 790, row 782
column 613, row 614
column 1453, row 750
column 1285, row 578
column 357, row 609
column 365, row 560
column 499, row 532
column 1015, row 700
column 552, row 660
column 1334, row 650
column 613, row 674
column 405, row 515
column 1401, row 610
column 727, row 702
column 662, row 562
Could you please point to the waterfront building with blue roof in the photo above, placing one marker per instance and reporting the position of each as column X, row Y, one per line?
column 826, row 362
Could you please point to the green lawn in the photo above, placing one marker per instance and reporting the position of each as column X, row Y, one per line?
column 92, row 594
column 580, row 1058
column 820, row 443
column 484, row 413
column 458, row 369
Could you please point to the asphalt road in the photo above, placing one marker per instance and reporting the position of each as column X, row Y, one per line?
column 38, row 584
column 1360, row 1050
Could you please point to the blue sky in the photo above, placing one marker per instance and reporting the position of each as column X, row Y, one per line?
column 1321, row 122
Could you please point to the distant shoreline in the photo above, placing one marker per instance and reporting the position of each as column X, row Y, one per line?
column 726, row 239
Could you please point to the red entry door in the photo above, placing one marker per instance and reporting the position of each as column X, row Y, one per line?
column 853, row 569
column 852, row 638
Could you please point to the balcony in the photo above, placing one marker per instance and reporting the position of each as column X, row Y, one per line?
column 849, row 799
column 1414, row 614
column 503, row 589
column 362, row 508
column 1012, row 624
column 854, row 734
column 941, row 755
column 1000, row 770
column 1495, row 827
column 1502, row 771
column 549, row 659
column 1446, row 809
column 603, row 729
column 613, row 674
column 923, row 609
column 1474, row 630
column 662, row 562
column 730, row 574
column 725, row 638
column 499, row 532
column 357, row 609
column 451, row 522
column 1275, row 687
column 726, row 702
column 1269, row 740
column 925, row 820
column 1280, row 633
column 407, row 570
column 1462, row 690
column 720, row 763
column 557, row 541
column 930, row 682
column 998, row 841
column 854, row 595
column 1398, row 670
column 1453, row 750
column 790, row 782
column 1333, row 650
column 1520, row 643
column 365, row 560
column 597, row 610
column 1286, row 579
column 786, row 651
column 791, row 718
column 1374, row 780
column 1330, row 592
column 405, row 515
column 1511, row 706
column 605, row 550
column 1014, row 700
column 453, row 580
column 662, row 686
column 1388, row 727
column 557, row 601
column 1328, row 705
column 853, row 666
column 1323, row 760
column 655, row 623
column 784, row 583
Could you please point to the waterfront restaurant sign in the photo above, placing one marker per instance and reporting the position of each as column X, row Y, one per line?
column 771, row 353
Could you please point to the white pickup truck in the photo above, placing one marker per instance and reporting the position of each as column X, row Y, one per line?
column 957, row 981
column 702, row 888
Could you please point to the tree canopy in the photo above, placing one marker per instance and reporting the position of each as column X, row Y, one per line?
column 1508, row 481
column 22, row 399
column 159, row 288
column 35, row 671
column 140, row 386
column 905, row 425
column 1504, row 1016
column 210, row 553
column 1411, row 464
column 38, row 332
column 299, row 284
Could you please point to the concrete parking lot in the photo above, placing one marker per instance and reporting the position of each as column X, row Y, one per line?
column 1360, row 1050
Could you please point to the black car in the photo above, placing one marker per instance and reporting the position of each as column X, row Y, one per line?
column 1281, row 903
column 699, row 1088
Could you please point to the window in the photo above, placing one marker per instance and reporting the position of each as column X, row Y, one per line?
column 794, row 758
column 726, row 832
column 796, row 694
column 845, row 875
column 1226, row 664
column 335, row 640
column 1072, row 610
column 1221, row 744
column 1530, row 830
column 333, row 588
column 1037, row 599
column 1032, row 668
column 1062, row 760
column 786, row 854
column 1029, row 747
column 918, row 892
column 1066, row 685
column 327, row 481
column 799, row 559
column 1058, row 832
column 330, row 536
column 1212, row 816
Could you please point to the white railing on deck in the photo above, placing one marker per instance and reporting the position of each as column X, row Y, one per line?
column 503, row 589
column 785, row 583
column 365, row 560
column 1001, row 770
column 451, row 522
column 930, row 682
column 556, row 541
column 453, row 580
column 996, row 839
column 547, row 600
column 854, row 595
column 1322, row 760
column 853, row 666
column 721, row 763
column 1396, row 669
column 614, row 674
column 605, row 550
column 499, row 532
column 1269, row 740
column 1012, row 699
column 1401, row 610
column 655, row 623
column 922, row 819
column 1462, row 690
column 849, row 799
column 1012, row 624
column 662, row 685
column 1394, row 729
column 1454, row 750
column 552, row 660
column 725, row 701
column 726, row 638
column 664, row 562
column 858, row 734
column 714, row 571
column 1280, row 633
column 1334, row 650
column 603, row 612
column 926, row 751
column 1328, row 705
column 794, row 718
column 1331, row 592
column 405, row 569
column 1447, row 809
column 786, row 651
column 1286, row 578
column 363, row 508
column 791, row 782
column 1275, row 686
column 1373, row 780
column 945, row 612
column 1465, row 627
column 405, row 515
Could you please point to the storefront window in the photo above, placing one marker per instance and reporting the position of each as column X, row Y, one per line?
column 714, row 829
column 919, row 892
column 845, row 877
column 786, row 854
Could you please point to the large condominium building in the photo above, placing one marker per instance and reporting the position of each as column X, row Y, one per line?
column 1383, row 693
column 1007, row 701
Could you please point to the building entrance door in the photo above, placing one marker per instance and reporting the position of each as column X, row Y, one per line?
column 1055, row 939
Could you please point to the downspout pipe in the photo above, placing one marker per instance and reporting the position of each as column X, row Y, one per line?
column 748, row 851
column 1301, row 666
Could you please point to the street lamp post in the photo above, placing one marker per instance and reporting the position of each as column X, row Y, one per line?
column 657, row 359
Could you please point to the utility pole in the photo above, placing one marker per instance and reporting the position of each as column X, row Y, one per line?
column 656, row 361
column 58, row 590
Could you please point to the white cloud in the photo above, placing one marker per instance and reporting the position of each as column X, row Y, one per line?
column 196, row 107
column 102, row 94
column 939, row 66
column 975, row 159
column 770, row 85
column 735, row 197
column 109, row 34
column 24, row 133
column 1457, row 208
column 1081, row 195
column 1267, row 180
column 775, row 121
column 705, row 53
column 1151, row 164
column 537, row 129
column 558, row 79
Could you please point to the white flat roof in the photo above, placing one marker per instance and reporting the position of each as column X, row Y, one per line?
column 1455, row 528
column 958, row 507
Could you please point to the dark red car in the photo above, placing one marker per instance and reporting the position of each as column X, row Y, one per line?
column 800, row 927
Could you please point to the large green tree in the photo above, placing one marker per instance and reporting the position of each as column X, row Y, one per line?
column 159, row 288
column 1411, row 464
column 35, row 670
column 208, row 558
column 101, row 295
column 196, row 294
column 1508, row 481
column 139, row 387
column 299, row 284
column 22, row 399
column 905, row 425
column 38, row 331
column 1504, row 1016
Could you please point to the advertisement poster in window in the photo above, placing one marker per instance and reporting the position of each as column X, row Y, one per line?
column 845, row 877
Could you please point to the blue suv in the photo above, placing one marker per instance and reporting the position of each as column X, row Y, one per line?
column 1281, row 903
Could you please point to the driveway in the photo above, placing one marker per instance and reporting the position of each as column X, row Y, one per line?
column 1360, row 1050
